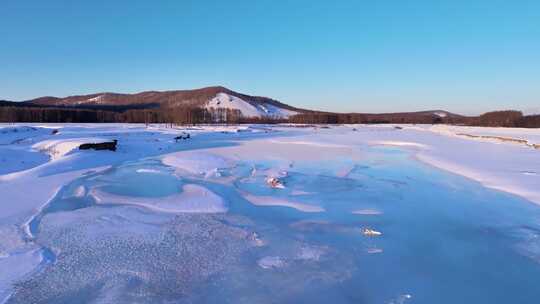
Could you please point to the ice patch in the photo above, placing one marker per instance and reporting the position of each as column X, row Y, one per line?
column 311, row 253
column 19, row 265
column 200, row 163
column 148, row 171
column 401, row 299
column 367, row 212
column 270, row 262
column 374, row 250
column 164, row 257
column 300, row 192
column 309, row 143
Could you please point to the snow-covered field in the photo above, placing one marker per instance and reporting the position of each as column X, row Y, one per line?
column 313, row 213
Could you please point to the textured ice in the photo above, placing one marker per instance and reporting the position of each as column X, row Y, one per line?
column 269, row 262
column 311, row 253
column 125, row 255
column 196, row 162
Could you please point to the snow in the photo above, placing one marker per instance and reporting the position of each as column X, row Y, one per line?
column 226, row 101
column 440, row 114
column 272, row 201
column 502, row 165
column 399, row 144
column 367, row 212
column 198, row 162
column 98, row 99
column 35, row 164
column 58, row 148
column 497, row 135
column 192, row 199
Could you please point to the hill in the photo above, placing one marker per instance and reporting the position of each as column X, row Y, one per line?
column 206, row 98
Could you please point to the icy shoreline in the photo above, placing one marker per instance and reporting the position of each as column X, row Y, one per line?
column 511, row 166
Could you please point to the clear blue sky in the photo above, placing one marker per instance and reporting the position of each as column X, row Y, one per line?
column 369, row 56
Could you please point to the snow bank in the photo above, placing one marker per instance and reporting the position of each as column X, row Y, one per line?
column 521, row 183
column 508, row 166
column 57, row 148
column 520, row 136
column 192, row 199
column 273, row 201
column 399, row 144
column 367, row 212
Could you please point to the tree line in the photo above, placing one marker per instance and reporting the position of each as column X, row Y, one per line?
column 508, row 118
column 12, row 112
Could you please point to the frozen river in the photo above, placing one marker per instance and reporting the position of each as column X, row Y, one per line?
column 267, row 215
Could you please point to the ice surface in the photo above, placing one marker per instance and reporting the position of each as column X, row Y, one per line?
column 197, row 162
column 269, row 262
column 197, row 222
column 124, row 255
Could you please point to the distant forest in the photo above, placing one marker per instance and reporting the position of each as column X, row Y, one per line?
column 510, row 118
column 14, row 112
column 24, row 112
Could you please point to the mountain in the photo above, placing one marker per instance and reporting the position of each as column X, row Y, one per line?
column 210, row 98
column 183, row 106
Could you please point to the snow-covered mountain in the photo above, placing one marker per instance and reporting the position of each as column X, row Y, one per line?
column 219, row 98
column 209, row 98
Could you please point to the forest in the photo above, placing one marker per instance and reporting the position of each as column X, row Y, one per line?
column 17, row 112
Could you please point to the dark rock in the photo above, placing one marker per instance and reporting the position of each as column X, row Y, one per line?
column 111, row 145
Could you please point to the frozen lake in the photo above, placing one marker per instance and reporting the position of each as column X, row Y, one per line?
column 269, row 215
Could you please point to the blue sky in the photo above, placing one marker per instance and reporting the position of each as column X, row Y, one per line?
column 365, row 56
